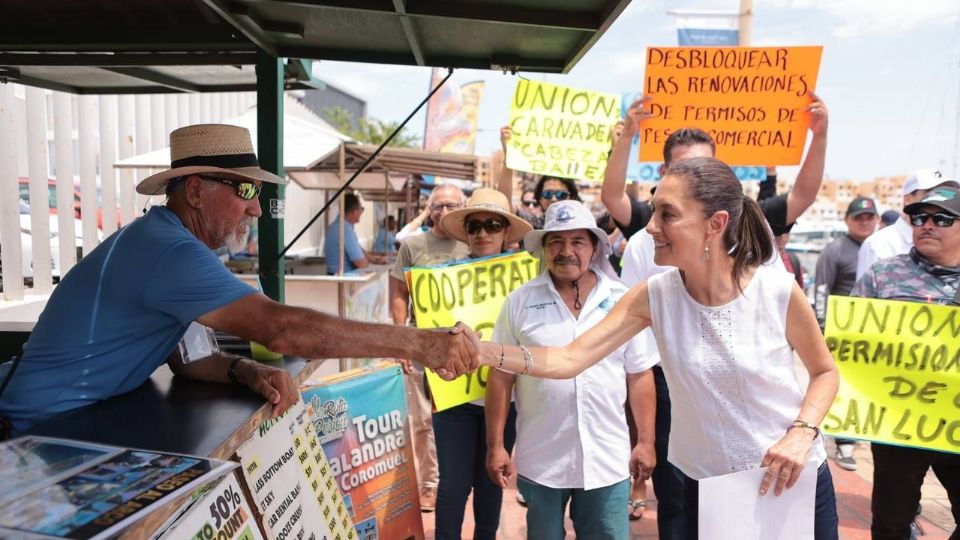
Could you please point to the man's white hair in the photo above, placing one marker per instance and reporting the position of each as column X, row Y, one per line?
column 446, row 187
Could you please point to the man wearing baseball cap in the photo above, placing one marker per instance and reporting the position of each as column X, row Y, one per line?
column 572, row 439
column 120, row 312
column 929, row 274
column 898, row 238
column 836, row 275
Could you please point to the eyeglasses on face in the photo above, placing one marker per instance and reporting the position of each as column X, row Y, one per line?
column 246, row 190
column 940, row 220
column 439, row 207
column 560, row 195
column 529, row 204
column 492, row 226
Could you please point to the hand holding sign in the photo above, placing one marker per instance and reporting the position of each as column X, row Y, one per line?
column 818, row 116
column 638, row 112
column 505, row 133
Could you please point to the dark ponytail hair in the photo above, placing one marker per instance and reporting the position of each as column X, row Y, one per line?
column 713, row 184
column 755, row 245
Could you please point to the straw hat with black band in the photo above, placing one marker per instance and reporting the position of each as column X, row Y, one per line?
column 220, row 150
column 485, row 200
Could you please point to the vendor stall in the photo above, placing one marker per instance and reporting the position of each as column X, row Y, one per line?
column 180, row 46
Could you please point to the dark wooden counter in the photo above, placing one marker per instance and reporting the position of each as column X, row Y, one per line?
column 172, row 414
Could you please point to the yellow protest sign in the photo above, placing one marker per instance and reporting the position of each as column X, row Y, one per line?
column 751, row 100
column 561, row 131
column 472, row 292
column 899, row 372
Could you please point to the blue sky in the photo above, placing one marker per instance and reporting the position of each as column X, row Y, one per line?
column 890, row 75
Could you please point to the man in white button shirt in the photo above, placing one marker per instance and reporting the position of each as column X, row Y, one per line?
column 898, row 238
column 572, row 440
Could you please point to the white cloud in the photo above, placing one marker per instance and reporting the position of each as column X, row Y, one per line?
column 368, row 81
column 629, row 63
column 859, row 18
column 787, row 39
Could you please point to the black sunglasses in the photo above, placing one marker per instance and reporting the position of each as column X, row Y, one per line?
column 246, row 190
column 940, row 220
column 529, row 203
column 492, row 226
column 559, row 195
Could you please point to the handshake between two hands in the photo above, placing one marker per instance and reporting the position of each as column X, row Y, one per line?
column 450, row 352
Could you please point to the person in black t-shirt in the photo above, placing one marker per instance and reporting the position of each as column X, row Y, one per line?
column 781, row 210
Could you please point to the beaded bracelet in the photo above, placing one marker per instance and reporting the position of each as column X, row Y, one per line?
column 802, row 424
column 501, row 356
column 527, row 361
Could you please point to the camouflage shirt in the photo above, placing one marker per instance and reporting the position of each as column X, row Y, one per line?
column 909, row 277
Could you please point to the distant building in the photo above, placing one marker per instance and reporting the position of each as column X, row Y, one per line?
column 331, row 97
column 835, row 195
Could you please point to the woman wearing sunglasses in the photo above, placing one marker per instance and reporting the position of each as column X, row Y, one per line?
column 551, row 189
column 488, row 227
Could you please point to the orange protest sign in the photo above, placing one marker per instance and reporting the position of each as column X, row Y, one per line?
column 751, row 100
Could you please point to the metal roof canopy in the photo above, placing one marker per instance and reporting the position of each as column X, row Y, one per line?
column 395, row 163
column 151, row 46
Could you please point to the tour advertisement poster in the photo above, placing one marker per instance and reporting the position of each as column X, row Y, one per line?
column 68, row 489
column 361, row 419
column 291, row 482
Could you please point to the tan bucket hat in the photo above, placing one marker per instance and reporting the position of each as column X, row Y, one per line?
column 209, row 148
column 485, row 200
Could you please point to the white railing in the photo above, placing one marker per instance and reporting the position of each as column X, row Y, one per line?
column 90, row 134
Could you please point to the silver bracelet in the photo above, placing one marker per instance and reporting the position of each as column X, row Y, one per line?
column 527, row 361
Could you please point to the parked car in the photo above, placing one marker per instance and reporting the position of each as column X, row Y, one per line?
column 52, row 200
column 26, row 242
column 51, row 196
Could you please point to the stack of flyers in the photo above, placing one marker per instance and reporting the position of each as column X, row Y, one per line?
column 70, row 489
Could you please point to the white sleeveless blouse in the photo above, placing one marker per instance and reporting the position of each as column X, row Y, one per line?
column 733, row 384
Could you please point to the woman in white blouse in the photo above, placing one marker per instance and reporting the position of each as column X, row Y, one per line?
column 727, row 327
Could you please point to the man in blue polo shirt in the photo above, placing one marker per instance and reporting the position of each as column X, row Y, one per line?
column 354, row 255
column 120, row 312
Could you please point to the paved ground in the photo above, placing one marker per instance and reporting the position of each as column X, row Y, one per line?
column 853, row 506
